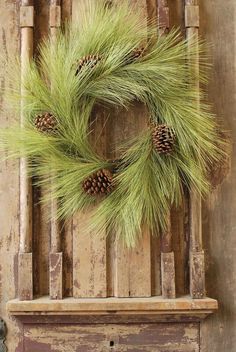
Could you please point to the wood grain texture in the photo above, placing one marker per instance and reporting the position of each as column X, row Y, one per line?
column 26, row 22
column 168, row 275
column 112, row 305
column 89, row 249
column 217, row 27
column 167, row 254
column 56, row 278
column 25, row 276
column 197, row 274
column 56, row 256
column 25, row 258
column 192, row 16
column 142, row 337
column 89, row 260
column 26, row 16
column 131, row 268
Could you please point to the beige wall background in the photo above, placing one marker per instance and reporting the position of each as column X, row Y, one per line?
column 218, row 24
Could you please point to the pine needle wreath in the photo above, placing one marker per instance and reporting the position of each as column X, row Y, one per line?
column 177, row 148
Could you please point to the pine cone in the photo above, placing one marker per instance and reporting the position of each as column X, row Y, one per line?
column 135, row 55
column 163, row 139
column 46, row 123
column 87, row 61
column 99, row 183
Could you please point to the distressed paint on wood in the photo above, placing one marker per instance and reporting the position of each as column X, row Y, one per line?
column 167, row 255
column 217, row 27
column 113, row 305
column 25, row 276
column 89, row 249
column 56, row 256
column 67, row 250
column 142, row 337
column 131, row 268
column 168, row 275
column 197, row 274
column 9, row 174
column 89, row 261
column 56, row 278
column 25, row 258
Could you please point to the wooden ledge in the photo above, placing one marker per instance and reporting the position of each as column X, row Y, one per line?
column 113, row 306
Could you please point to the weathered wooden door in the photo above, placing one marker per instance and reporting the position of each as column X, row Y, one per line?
column 61, row 293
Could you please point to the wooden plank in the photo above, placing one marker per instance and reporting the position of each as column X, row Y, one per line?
column 25, row 264
column 9, row 173
column 192, row 16
column 217, row 19
column 56, row 256
column 155, row 266
column 180, row 215
column 168, row 275
column 197, row 274
column 180, row 242
column 167, row 254
column 25, row 276
column 89, row 250
column 132, row 267
column 102, row 306
column 197, row 278
column 55, row 285
column 67, row 250
column 195, row 221
column 140, row 267
column 144, row 337
column 55, row 16
column 163, row 16
column 121, row 277
column 26, row 16
column 25, row 183
column 89, row 266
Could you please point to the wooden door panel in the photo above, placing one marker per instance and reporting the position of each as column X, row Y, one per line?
column 161, row 337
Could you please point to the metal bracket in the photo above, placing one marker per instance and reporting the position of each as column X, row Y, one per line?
column 3, row 332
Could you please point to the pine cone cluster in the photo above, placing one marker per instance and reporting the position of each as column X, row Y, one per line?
column 46, row 123
column 87, row 61
column 100, row 183
column 163, row 139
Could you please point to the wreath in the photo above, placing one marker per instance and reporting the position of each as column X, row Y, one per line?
column 111, row 60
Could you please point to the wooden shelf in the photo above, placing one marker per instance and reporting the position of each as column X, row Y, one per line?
column 184, row 306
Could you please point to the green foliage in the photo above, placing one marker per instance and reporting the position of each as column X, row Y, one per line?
column 147, row 183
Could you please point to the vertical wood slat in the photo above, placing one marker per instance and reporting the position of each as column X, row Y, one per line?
column 25, row 266
column 197, row 272
column 89, row 250
column 167, row 254
column 55, row 256
column 132, row 267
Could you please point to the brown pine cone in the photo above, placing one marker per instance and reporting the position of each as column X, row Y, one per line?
column 87, row 61
column 135, row 55
column 163, row 139
column 46, row 123
column 100, row 183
